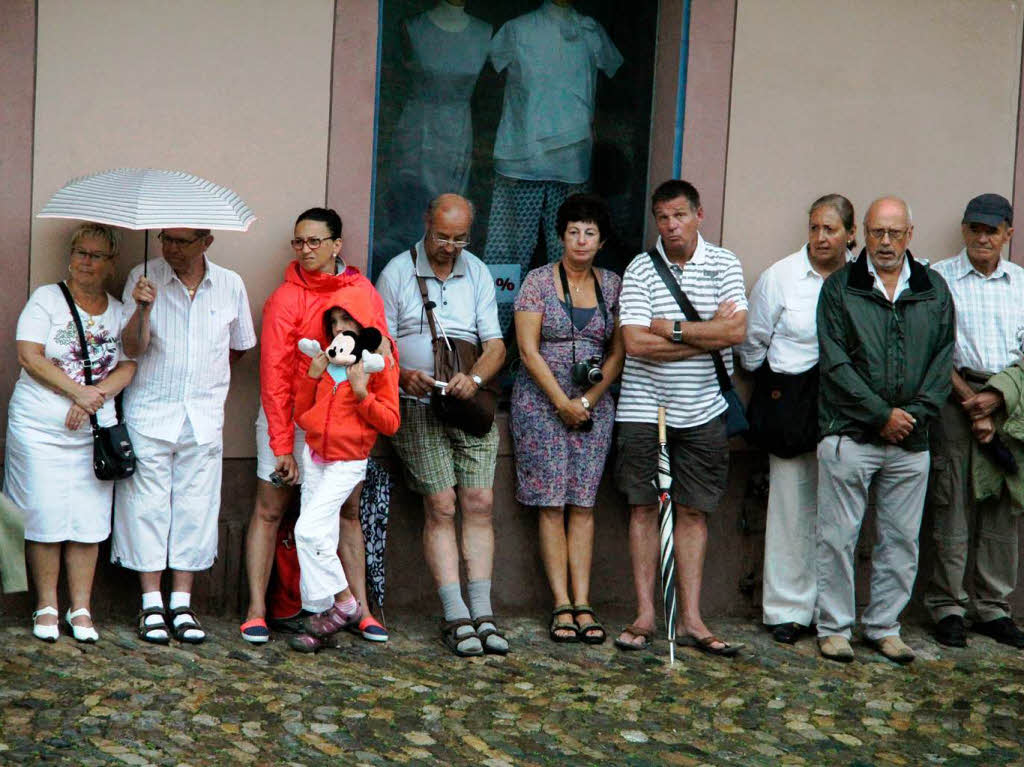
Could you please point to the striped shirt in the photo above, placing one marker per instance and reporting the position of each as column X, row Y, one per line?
column 989, row 313
column 688, row 388
column 185, row 371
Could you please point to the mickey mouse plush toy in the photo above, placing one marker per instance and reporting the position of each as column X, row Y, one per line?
column 346, row 349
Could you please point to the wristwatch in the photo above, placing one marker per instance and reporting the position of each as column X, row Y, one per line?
column 585, row 402
column 677, row 332
column 478, row 381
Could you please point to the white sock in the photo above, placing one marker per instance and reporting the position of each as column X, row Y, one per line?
column 184, row 599
column 152, row 599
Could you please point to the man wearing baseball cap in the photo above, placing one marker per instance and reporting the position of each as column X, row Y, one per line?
column 988, row 292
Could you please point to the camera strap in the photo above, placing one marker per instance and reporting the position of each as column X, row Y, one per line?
column 568, row 303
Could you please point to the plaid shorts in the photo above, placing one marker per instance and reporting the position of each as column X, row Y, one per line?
column 436, row 457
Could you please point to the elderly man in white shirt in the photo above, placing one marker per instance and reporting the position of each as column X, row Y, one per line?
column 782, row 334
column 988, row 292
column 442, row 462
column 190, row 320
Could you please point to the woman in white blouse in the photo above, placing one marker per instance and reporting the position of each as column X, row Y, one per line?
column 48, row 460
column 782, row 333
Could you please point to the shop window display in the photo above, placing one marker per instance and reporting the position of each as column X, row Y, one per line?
column 515, row 104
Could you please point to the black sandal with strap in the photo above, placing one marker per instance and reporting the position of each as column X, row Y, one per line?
column 484, row 633
column 191, row 622
column 556, row 626
column 145, row 630
column 593, row 625
column 452, row 639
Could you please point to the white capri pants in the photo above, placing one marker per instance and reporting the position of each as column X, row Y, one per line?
column 325, row 488
column 165, row 515
column 266, row 461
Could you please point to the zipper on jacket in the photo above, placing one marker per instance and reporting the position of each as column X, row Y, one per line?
column 327, row 417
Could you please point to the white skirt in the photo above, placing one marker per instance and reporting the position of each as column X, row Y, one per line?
column 49, row 476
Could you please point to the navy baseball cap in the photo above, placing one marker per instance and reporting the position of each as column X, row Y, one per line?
column 990, row 209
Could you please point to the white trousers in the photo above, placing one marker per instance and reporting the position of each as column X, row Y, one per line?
column 790, row 575
column 165, row 515
column 846, row 470
column 325, row 487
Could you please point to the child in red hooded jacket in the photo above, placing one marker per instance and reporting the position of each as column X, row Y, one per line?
column 342, row 410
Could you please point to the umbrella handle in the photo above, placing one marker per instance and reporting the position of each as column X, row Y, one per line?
column 662, row 435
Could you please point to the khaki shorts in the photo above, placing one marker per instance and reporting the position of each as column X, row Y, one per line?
column 698, row 456
column 436, row 457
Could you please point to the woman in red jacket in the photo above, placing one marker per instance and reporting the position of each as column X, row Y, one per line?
column 295, row 311
column 342, row 410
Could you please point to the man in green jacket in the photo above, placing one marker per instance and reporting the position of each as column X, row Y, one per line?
column 885, row 333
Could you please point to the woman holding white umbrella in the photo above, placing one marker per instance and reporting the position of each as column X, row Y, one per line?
column 49, row 454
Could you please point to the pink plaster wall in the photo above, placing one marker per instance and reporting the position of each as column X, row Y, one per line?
column 17, row 84
column 353, row 102
column 708, row 91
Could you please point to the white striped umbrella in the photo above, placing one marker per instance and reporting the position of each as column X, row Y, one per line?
column 146, row 198
column 666, row 525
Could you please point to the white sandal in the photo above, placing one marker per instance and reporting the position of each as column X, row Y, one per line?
column 84, row 634
column 45, row 633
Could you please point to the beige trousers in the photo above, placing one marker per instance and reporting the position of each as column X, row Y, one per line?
column 965, row 528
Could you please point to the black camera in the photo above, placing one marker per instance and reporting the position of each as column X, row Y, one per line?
column 587, row 372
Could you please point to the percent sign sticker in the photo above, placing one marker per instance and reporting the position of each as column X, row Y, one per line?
column 506, row 281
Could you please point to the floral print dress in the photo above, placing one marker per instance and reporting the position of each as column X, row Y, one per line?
column 556, row 465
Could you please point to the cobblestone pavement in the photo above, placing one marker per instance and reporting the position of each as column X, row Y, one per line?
column 411, row 702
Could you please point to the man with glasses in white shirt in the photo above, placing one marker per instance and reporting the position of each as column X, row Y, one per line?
column 988, row 292
column 189, row 320
column 442, row 462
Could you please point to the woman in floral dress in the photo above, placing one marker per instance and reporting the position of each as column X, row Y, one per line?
column 48, row 460
column 561, row 423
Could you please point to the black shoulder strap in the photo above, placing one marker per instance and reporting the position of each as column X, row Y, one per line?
column 428, row 305
column 86, row 360
column 724, row 382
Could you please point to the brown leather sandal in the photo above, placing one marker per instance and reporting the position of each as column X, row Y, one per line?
column 646, row 634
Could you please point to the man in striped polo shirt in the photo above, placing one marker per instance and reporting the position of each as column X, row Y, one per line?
column 668, row 364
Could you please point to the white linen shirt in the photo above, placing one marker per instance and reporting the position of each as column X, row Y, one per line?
column 989, row 313
column 782, row 320
column 186, row 370
column 902, row 282
column 553, row 56
column 688, row 388
column 466, row 306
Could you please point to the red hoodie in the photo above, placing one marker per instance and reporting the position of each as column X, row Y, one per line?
column 338, row 426
column 293, row 311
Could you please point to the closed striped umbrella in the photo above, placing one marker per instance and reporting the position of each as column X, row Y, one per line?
column 667, row 527
column 146, row 198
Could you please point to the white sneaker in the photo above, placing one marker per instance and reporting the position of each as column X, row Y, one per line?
column 84, row 634
column 46, row 633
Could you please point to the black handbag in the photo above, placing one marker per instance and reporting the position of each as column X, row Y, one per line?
column 783, row 411
column 113, row 456
column 475, row 415
column 735, row 417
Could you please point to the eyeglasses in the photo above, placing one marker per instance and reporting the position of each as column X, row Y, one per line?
column 312, row 242
column 176, row 242
column 91, row 255
column 895, row 235
column 453, row 243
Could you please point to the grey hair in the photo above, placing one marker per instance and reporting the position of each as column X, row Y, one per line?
column 91, row 229
column 842, row 206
